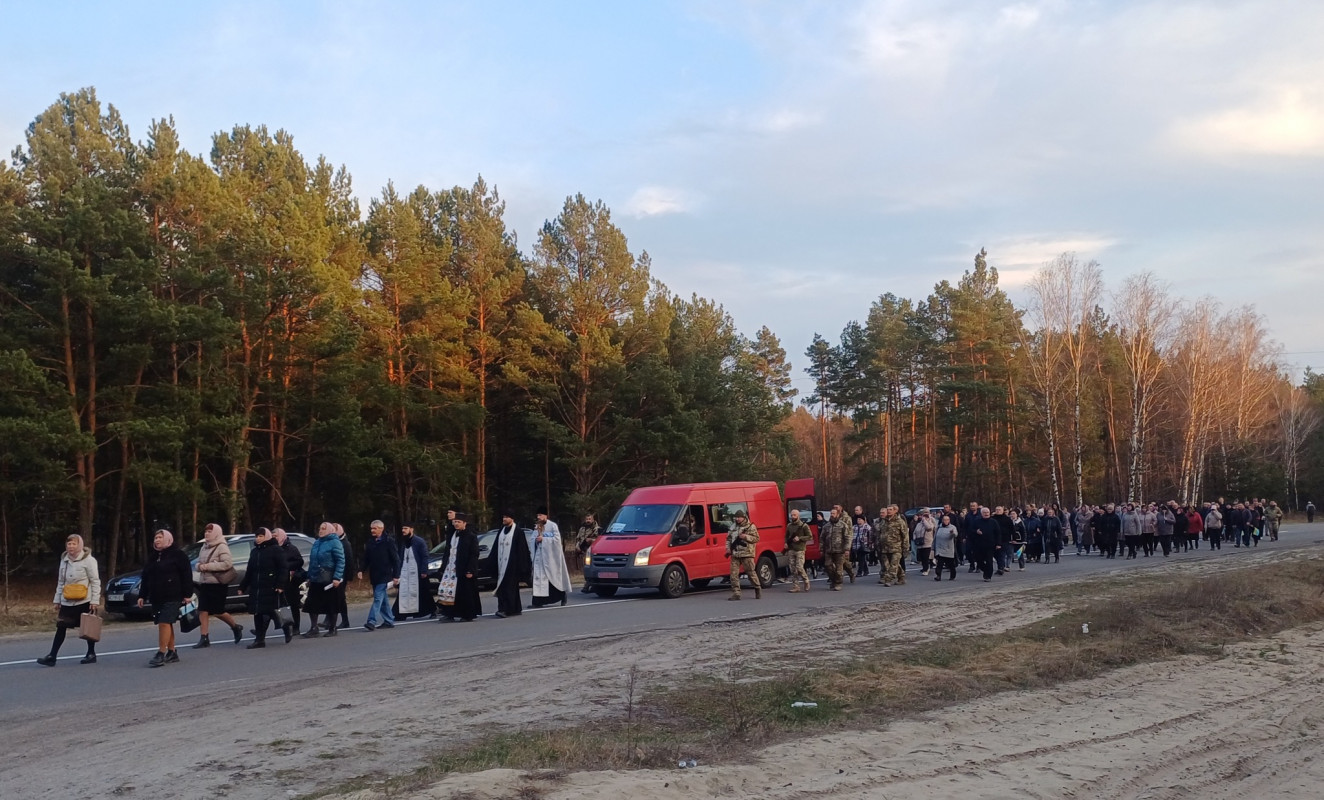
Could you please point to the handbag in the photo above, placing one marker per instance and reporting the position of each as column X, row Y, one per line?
column 284, row 617
column 188, row 617
column 89, row 627
column 225, row 578
column 75, row 591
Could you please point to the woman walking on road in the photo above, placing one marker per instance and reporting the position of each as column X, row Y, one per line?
column 167, row 583
column 77, row 592
column 215, row 574
column 265, row 581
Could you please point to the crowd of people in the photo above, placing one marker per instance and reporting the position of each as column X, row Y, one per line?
column 279, row 583
column 991, row 540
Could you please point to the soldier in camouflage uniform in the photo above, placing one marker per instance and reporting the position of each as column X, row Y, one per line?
column 798, row 537
column 1273, row 520
column 835, row 539
column 740, row 542
column 894, row 546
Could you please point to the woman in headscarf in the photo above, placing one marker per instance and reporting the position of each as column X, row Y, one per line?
column 77, row 592
column 265, row 581
column 215, row 574
column 167, row 583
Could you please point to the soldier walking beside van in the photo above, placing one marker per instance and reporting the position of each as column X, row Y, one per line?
column 797, row 539
column 740, row 549
column 835, row 541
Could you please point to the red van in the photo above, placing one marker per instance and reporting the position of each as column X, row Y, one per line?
column 674, row 537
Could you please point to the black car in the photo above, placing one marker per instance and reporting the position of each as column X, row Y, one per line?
column 487, row 576
column 121, row 591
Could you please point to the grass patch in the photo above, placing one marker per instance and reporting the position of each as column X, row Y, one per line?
column 1130, row 623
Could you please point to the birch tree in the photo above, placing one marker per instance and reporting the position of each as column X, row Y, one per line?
column 1143, row 312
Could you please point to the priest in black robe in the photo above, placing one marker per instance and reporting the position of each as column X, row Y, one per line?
column 513, row 566
column 459, row 581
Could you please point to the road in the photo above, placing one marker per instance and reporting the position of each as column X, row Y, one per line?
column 30, row 692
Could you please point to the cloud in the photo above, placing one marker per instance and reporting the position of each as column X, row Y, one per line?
column 1288, row 124
column 1018, row 258
column 653, row 201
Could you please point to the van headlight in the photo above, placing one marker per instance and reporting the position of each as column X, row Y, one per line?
column 588, row 559
column 641, row 557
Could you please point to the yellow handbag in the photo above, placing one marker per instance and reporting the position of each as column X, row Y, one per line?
column 75, row 591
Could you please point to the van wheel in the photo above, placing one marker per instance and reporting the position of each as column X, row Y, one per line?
column 767, row 569
column 673, row 582
column 605, row 591
column 700, row 583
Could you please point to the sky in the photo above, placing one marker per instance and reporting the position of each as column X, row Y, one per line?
column 791, row 160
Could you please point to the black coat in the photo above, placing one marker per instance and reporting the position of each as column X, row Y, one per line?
column 349, row 558
column 294, row 563
column 167, row 577
column 381, row 560
column 266, row 577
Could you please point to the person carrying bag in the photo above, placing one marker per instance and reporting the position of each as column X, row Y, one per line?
column 77, row 595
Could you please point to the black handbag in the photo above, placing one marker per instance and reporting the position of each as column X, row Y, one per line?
column 188, row 617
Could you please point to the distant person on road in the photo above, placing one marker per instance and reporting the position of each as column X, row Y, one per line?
column 167, row 584
column 1213, row 528
column 741, row 547
column 460, row 601
column 892, row 548
column 514, row 566
column 1273, row 520
column 415, row 596
column 1084, row 529
column 382, row 561
column 922, row 535
column 215, row 574
column 326, row 571
column 1310, row 511
column 984, row 542
column 551, row 577
column 294, row 563
column 584, row 538
column 77, row 592
column 264, row 582
column 860, row 546
column 944, row 547
column 835, row 540
column 798, row 537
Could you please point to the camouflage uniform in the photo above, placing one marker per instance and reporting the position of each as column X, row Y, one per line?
column 587, row 535
column 741, row 552
column 893, row 546
column 1273, row 518
column 795, row 552
column 835, row 542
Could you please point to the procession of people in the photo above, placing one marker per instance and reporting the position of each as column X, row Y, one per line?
column 279, row 584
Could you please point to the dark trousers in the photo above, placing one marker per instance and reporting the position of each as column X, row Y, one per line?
column 949, row 564
column 1215, row 537
column 1147, row 543
column 1166, row 543
column 925, row 557
column 1132, row 546
column 985, row 560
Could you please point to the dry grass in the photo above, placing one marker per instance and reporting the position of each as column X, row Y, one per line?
column 1138, row 621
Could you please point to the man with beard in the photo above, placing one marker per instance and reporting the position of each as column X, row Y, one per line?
column 551, row 576
column 414, row 599
column 459, row 579
column 835, row 538
column 514, row 565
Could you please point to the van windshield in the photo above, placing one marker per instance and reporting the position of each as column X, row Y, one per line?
column 633, row 520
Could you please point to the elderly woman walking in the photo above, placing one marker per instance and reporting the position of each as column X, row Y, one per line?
column 77, row 592
column 167, row 583
column 215, row 574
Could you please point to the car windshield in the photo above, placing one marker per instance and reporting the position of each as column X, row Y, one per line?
column 644, row 519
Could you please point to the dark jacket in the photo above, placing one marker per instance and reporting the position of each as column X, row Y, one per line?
column 1108, row 525
column 986, row 535
column 266, row 578
column 348, row 547
column 466, row 553
column 294, row 563
column 167, row 577
column 381, row 560
column 420, row 549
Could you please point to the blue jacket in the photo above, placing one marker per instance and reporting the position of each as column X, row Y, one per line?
column 328, row 553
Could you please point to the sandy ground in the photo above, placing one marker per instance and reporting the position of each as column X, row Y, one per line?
column 1247, row 725
column 1222, row 729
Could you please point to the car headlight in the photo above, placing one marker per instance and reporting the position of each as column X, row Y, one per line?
column 588, row 559
column 434, row 565
column 641, row 557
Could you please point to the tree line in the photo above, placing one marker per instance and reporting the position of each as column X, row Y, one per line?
column 186, row 339
column 1141, row 393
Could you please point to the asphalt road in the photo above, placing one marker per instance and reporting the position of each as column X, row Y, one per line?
column 121, row 676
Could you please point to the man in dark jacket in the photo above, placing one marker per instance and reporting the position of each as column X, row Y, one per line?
column 413, row 553
column 382, row 561
column 294, row 563
column 1003, row 552
column 983, row 543
column 969, row 524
